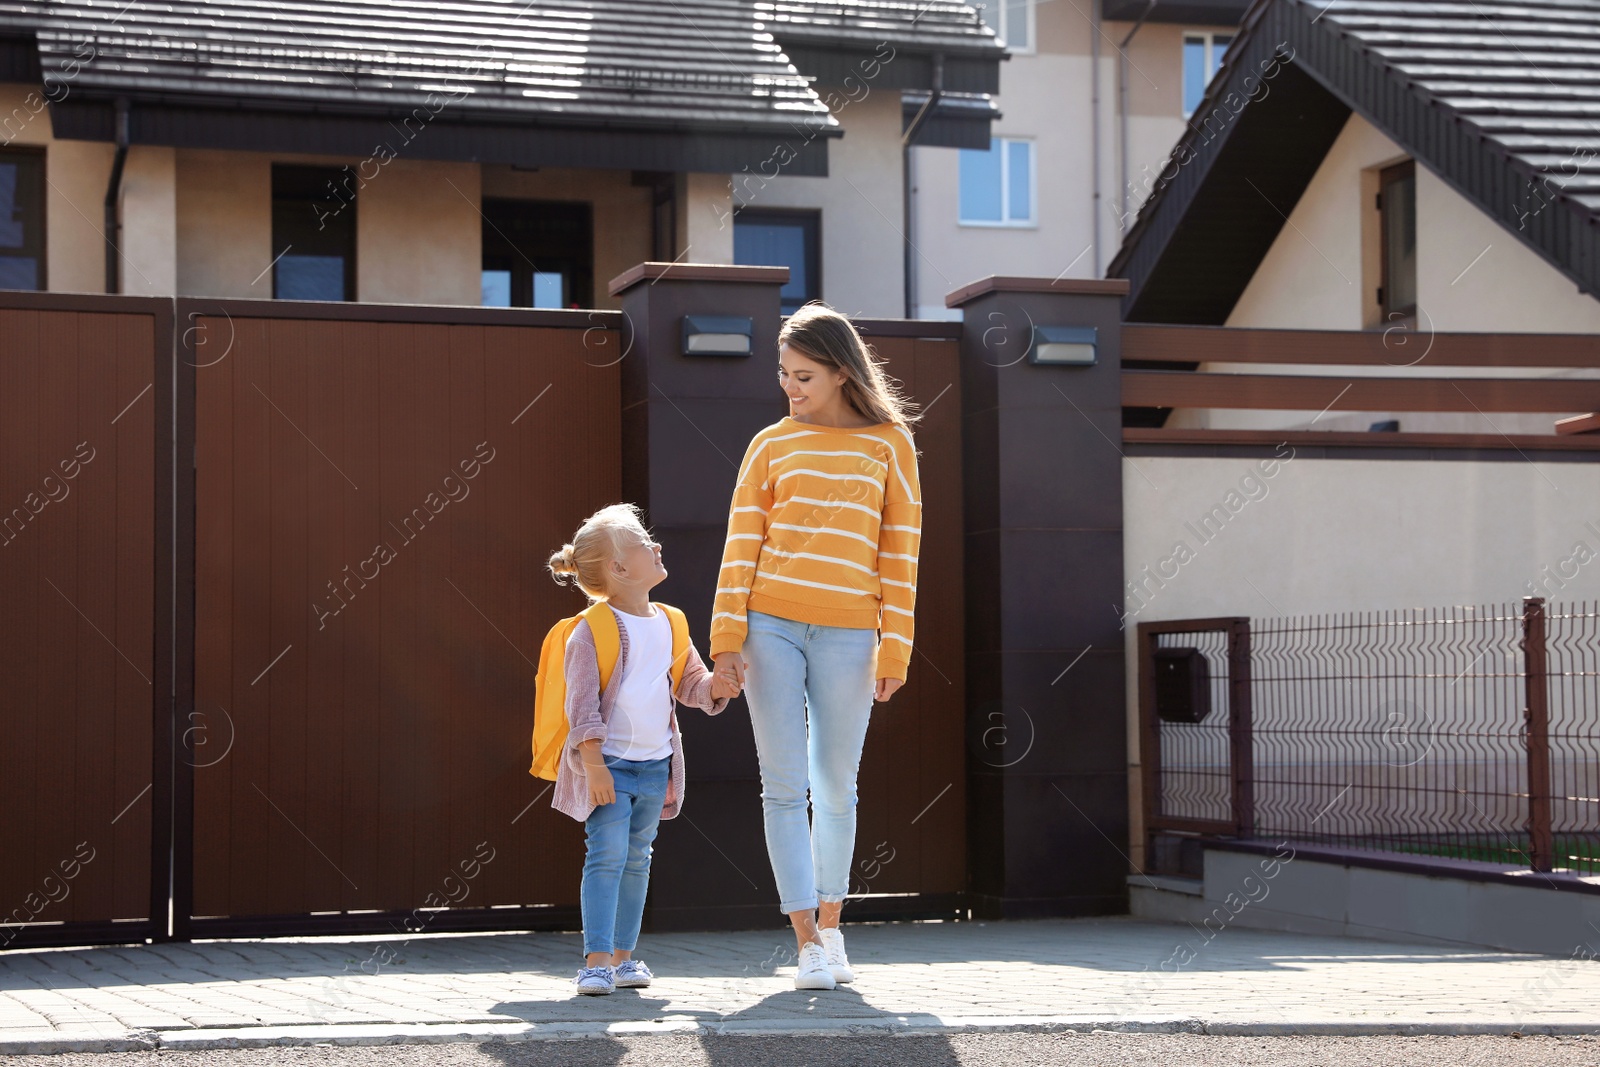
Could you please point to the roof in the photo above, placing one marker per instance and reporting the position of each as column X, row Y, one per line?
column 1193, row 12
column 1501, row 100
column 314, row 74
column 957, row 120
column 911, row 24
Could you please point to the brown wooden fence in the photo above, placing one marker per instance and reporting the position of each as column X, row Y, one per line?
column 273, row 595
column 1162, row 376
column 376, row 490
column 81, row 659
column 911, row 826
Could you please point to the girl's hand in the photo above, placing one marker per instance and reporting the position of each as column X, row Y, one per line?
column 728, row 674
column 602, row 790
column 886, row 688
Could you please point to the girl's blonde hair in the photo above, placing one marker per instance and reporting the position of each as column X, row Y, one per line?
column 827, row 337
column 587, row 558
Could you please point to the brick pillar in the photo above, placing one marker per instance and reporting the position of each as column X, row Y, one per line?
column 1047, row 778
column 686, row 421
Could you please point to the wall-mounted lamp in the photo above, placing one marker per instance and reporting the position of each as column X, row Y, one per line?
column 1070, row 346
column 716, row 335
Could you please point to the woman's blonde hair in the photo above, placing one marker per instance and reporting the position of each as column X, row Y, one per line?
column 825, row 336
column 586, row 560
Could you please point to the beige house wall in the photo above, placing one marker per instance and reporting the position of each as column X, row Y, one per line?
column 705, row 220
column 149, row 213
column 861, row 202
column 1472, row 275
column 225, row 224
column 1313, row 276
column 1048, row 95
column 198, row 222
column 419, row 234
column 77, row 173
column 1331, row 535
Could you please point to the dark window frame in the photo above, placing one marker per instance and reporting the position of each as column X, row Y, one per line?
column 344, row 211
column 1388, row 177
column 577, row 269
column 786, row 215
column 35, row 155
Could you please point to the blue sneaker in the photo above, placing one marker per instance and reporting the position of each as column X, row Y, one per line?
column 632, row 974
column 595, row 981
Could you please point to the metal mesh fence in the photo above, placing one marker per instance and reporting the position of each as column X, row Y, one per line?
column 1572, row 643
column 1395, row 730
column 1465, row 732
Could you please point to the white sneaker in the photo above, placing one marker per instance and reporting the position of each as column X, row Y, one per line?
column 813, row 972
column 833, row 950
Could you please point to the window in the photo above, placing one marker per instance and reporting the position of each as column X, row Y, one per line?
column 1202, row 55
column 313, row 233
column 1397, row 213
column 782, row 239
column 997, row 186
column 21, row 220
column 1011, row 20
column 538, row 253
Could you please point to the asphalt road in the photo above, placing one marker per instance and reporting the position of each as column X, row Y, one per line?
column 967, row 1050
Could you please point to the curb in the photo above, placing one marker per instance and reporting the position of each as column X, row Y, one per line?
column 198, row 1039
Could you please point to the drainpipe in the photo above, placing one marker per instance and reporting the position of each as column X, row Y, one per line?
column 1094, row 135
column 1122, row 79
column 113, row 219
column 908, row 183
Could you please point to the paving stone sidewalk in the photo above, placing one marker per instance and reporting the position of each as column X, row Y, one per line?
column 1119, row 974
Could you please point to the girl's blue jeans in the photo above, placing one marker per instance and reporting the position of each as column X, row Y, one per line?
column 809, row 688
column 616, row 869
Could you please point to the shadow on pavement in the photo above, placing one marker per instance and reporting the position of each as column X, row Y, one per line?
column 789, row 1010
column 790, row 1007
column 593, row 1052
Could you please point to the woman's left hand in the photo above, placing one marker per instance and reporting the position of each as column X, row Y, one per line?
column 886, row 687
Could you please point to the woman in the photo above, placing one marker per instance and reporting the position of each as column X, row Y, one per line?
column 813, row 613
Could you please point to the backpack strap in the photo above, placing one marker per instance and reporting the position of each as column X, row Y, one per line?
column 680, row 643
column 607, row 642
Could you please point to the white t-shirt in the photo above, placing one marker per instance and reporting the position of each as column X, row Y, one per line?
column 641, row 719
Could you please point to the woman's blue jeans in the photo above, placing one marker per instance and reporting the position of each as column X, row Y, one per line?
column 809, row 689
column 616, row 869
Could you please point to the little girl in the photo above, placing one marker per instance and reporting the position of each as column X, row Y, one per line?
column 621, row 771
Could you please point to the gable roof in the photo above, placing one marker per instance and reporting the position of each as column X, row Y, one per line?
column 1501, row 100
column 682, row 85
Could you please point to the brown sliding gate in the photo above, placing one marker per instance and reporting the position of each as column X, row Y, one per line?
column 84, row 464
column 911, row 845
column 272, row 593
column 375, row 493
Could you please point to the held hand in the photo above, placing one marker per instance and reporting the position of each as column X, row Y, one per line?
column 886, row 687
column 602, row 790
column 728, row 677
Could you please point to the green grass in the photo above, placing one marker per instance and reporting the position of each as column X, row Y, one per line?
column 1581, row 854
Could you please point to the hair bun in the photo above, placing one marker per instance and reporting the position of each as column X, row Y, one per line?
column 562, row 562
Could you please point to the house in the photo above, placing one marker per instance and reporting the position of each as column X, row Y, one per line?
column 472, row 153
column 1395, row 166
column 1091, row 101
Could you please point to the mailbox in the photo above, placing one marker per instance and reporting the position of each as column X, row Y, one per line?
column 1183, row 685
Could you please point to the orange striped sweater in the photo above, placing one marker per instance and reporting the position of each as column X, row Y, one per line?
column 825, row 527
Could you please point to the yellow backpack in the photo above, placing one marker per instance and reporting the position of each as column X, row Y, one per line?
column 550, row 684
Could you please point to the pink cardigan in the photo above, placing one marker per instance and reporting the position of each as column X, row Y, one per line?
column 589, row 710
